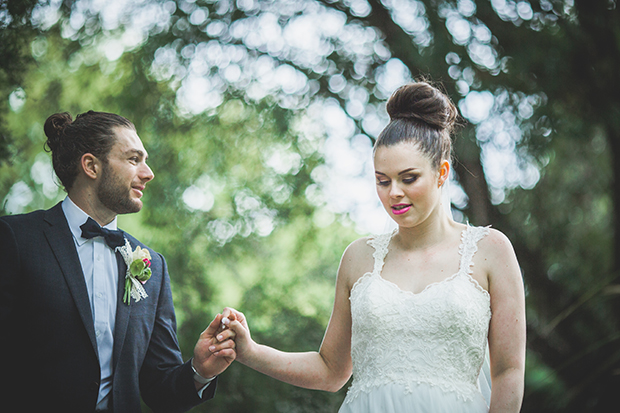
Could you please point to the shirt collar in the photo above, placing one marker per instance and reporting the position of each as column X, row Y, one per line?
column 76, row 217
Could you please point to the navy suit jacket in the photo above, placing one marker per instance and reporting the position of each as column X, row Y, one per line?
column 47, row 337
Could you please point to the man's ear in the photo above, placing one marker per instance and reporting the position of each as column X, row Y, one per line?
column 91, row 165
column 444, row 172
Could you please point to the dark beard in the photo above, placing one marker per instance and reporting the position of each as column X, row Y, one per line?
column 114, row 196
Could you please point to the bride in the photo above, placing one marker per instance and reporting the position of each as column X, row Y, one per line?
column 415, row 308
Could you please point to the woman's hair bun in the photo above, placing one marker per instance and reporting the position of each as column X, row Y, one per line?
column 423, row 102
column 55, row 127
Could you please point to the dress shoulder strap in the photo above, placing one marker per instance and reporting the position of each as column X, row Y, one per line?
column 469, row 245
column 380, row 244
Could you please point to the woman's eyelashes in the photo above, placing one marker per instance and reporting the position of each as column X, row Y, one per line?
column 406, row 180
column 410, row 179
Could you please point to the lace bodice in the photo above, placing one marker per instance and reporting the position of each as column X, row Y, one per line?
column 437, row 336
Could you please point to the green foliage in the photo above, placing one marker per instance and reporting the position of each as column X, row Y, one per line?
column 568, row 236
column 16, row 33
column 229, row 206
column 252, row 243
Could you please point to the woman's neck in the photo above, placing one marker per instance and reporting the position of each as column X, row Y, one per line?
column 433, row 231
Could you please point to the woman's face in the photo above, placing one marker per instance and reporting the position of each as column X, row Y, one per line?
column 409, row 187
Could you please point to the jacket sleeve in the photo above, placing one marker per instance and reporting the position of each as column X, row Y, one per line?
column 9, row 260
column 9, row 320
column 166, row 382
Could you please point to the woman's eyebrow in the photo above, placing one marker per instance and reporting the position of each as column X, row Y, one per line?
column 407, row 170
column 400, row 173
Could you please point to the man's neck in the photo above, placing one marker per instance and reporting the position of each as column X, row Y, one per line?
column 90, row 204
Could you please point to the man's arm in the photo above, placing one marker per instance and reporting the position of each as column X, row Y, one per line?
column 9, row 322
column 166, row 382
column 8, row 276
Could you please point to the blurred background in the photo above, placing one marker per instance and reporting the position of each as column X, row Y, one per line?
column 259, row 117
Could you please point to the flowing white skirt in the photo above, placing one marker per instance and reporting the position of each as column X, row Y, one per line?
column 425, row 398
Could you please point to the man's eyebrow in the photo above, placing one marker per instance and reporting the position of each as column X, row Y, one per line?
column 139, row 152
column 136, row 151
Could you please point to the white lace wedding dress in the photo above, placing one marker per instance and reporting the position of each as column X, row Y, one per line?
column 419, row 352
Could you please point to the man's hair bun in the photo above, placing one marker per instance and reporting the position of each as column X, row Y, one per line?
column 55, row 127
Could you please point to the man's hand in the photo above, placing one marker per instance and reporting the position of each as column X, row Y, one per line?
column 215, row 350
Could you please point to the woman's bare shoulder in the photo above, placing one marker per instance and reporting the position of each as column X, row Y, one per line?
column 495, row 244
column 359, row 251
column 497, row 253
column 357, row 260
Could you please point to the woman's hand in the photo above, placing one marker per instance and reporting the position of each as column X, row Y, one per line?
column 236, row 322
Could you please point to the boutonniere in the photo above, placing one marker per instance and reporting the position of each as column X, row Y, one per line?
column 138, row 271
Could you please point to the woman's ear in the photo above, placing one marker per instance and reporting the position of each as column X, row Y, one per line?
column 91, row 166
column 444, row 172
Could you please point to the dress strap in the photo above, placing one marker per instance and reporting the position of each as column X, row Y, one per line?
column 469, row 245
column 380, row 244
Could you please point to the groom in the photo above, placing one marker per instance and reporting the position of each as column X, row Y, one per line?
column 75, row 335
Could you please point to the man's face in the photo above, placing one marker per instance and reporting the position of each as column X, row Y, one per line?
column 125, row 174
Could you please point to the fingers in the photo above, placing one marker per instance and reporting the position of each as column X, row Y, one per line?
column 228, row 344
column 222, row 345
column 227, row 334
column 215, row 349
column 224, row 339
column 227, row 315
column 219, row 335
column 239, row 330
column 225, row 348
column 211, row 330
column 227, row 312
column 225, row 354
column 220, row 324
column 232, row 314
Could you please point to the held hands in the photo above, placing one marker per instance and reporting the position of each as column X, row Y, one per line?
column 215, row 349
column 227, row 338
column 235, row 321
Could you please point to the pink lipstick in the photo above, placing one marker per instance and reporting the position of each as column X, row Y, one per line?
column 400, row 209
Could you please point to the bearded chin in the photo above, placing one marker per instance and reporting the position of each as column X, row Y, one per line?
column 114, row 196
column 121, row 205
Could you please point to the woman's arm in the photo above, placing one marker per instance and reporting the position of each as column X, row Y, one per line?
column 330, row 367
column 507, row 327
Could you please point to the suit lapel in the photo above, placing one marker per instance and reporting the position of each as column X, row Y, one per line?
column 61, row 242
column 122, row 310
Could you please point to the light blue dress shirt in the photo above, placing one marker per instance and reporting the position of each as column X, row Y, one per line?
column 100, row 270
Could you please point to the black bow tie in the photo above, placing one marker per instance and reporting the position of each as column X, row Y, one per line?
column 114, row 238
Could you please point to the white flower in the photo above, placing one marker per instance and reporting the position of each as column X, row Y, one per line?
column 133, row 282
